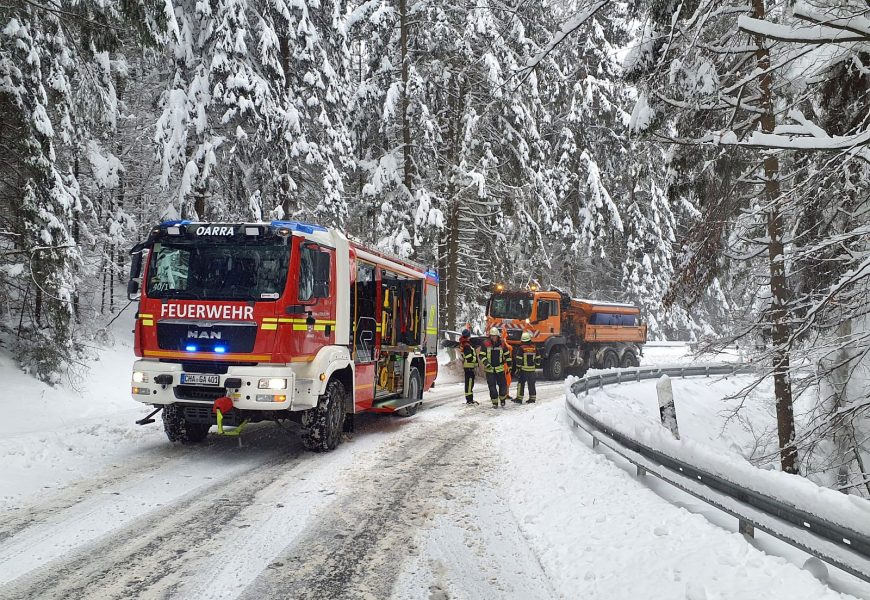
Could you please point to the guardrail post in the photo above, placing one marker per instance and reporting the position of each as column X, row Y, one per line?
column 618, row 377
column 594, row 442
column 746, row 528
column 637, row 374
column 667, row 410
column 640, row 471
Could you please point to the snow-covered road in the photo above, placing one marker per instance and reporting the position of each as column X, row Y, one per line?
column 456, row 502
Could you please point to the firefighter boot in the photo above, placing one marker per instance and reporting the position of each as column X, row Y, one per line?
column 531, row 400
column 502, row 400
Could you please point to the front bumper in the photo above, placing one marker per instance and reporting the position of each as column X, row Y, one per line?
column 248, row 396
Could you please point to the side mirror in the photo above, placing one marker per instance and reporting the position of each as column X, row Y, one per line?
column 135, row 274
column 133, row 289
column 136, row 265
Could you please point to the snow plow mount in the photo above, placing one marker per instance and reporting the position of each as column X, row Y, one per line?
column 150, row 418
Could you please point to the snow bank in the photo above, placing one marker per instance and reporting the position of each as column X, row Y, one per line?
column 722, row 459
column 600, row 533
column 50, row 436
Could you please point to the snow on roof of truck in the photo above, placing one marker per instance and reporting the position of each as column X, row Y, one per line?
column 605, row 303
column 599, row 304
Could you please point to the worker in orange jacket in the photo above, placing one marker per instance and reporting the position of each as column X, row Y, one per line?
column 510, row 351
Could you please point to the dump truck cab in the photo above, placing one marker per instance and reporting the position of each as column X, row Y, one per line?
column 571, row 334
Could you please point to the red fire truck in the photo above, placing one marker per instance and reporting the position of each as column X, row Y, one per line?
column 247, row 322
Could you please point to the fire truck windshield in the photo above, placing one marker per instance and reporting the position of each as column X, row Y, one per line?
column 218, row 270
column 510, row 306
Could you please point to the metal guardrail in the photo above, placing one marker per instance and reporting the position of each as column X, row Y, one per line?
column 835, row 544
column 639, row 374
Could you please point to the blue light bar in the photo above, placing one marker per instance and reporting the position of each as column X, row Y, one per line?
column 432, row 274
column 190, row 348
column 220, row 349
column 298, row 226
column 175, row 223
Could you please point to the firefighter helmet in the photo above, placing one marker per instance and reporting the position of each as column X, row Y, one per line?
column 527, row 336
column 466, row 333
column 494, row 331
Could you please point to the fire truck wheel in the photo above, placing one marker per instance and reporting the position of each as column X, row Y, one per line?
column 610, row 360
column 629, row 359
column 179, row 430
column 415, row 390
column 554, row 366
column 324, row 423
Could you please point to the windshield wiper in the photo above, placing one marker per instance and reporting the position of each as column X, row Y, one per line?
column 178, row 294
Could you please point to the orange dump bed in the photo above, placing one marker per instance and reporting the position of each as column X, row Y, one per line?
column 606, row 322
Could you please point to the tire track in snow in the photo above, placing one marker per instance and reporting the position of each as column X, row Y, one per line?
column 158, row 553
column 143, row 559
column 18, row 519
column 357, row 548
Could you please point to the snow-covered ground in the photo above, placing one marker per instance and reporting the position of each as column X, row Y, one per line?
column 456, row 502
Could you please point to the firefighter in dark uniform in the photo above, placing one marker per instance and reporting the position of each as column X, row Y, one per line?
column 495, row 359
column 469, row 364
column 527, row 360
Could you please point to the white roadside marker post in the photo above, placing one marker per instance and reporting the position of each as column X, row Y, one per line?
column 667, row 410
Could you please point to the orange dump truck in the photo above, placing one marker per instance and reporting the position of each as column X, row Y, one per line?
column 572, row 335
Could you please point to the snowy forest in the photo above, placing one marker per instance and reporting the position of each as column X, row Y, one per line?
column 705, row 159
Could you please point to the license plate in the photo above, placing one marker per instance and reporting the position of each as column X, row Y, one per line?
column 200, row 379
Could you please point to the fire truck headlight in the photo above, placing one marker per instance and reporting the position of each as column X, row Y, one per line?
column 140, row 377
column 272, row 384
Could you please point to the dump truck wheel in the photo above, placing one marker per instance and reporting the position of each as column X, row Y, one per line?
column 554, row 367
column 610, row 360
column 324, row 423
column 179, row 430
column 629, row 359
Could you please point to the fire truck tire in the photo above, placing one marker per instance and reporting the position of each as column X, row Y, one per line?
column 324, row 423
column 610, row 360
column 554, row 366
column 629, row 359
column 179, row 430
column 415, row 390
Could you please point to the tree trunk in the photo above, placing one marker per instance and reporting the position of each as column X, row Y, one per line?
column 776, row 256
column 199, row 203
column 452, row 263
column 406, row 125
column 76, row 234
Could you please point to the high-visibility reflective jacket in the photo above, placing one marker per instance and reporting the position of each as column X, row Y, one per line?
column 469, row 356
column 527, row 358
column 494, row 357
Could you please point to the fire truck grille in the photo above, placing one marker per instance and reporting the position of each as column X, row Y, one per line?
column 203, row 414
column 196, row 366
column 197, row 392
column 233, row 337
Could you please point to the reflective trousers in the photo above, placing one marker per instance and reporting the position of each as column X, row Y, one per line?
column 524, row 377
column 497, row 387
column 469, row 384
